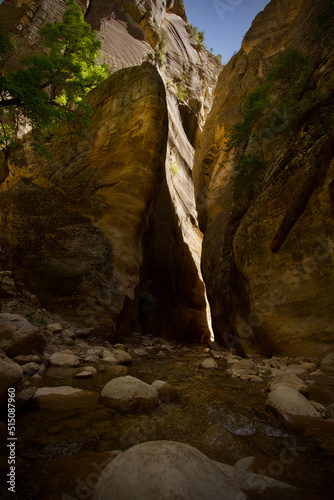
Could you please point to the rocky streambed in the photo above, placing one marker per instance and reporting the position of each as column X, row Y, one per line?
column 84, row 401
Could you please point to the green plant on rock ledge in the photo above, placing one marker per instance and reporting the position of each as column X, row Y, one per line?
column 197, row 35
column 325, row 20
column 281, row 93
column 182, row 93
column 249, row 174
column 174, row 168
column 180, row 89
column 160, row 50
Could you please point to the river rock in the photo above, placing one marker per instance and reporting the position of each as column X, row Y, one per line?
column 292, row 407
column 257, row 486
column 18, row 336
column 89, row 369
column 129, row 394
column 167, row 393
column 296, row 370
column 117, row 370
column 291, row 381
column 120, row 347
column 31, row 368
column 84, row 374
column 330, row 411
column 244, row 367
column 55, row 328
column 10, row 376
column 84, row 333
column 28, row 358
column 64, row 358
column 64, row 398
column 328, row 362
column 140, row 351
column 319, row 407
column 24, row 396
column 122, row 357
column 165, row 470
column 208, row 364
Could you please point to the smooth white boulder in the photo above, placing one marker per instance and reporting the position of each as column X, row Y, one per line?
column 64, row 358
column 294, row 409
column 129, row 394
column 290, row 380
column 208, row 364
column 165, row 470
column 244, row 367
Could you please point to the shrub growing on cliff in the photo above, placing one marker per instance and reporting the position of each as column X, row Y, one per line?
column 174, row 168
column 256, row 105
column 160, row 50
column 280, row 94
column 49, row 90
column 197, row 35
column 182, row 93
column 269, row 109
column 249, row 174
column 325, row 20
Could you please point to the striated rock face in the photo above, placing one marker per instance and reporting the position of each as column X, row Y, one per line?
column 169, row 297
column 77, row 223
column 268, row 261
column 172, row 294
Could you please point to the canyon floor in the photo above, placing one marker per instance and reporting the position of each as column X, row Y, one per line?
column 223, row 414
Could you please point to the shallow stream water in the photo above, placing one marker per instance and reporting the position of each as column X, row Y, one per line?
column 60, row 453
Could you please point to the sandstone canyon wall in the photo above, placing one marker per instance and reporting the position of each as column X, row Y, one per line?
column 106, row 233
column 268, row 258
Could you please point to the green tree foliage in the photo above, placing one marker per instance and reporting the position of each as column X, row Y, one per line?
column 197, row 34
column 49, row 90
column 256, row 105
column 325, row 20
column 249, row 174
column 160, row 50
column 279, row 96
column 219, row 58
column 182, row 92
column 281, row 90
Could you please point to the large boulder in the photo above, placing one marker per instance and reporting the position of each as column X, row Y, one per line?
column 10, row 376
column 64, row 358
column 122, row 357
column 290, row 380
column 244, row 368
column 292, row 407
column 165, row 470
column 167, row 393
column 327, row 363
column 18, row 336
column 129, row 394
